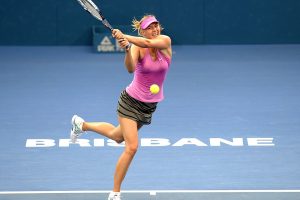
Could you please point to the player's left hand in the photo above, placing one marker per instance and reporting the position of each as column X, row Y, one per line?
column 116, row 33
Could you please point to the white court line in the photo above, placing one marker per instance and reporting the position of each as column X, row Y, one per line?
column 151, row 192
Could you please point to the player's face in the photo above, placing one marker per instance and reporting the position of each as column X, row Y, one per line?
column 152, row 31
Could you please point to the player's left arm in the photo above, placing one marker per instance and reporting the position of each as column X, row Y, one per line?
column 131, row 54
column 160, row 42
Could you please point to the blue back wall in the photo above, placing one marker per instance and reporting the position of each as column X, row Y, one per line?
column 63, row 22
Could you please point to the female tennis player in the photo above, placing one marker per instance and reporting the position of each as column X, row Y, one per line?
column 148, row 56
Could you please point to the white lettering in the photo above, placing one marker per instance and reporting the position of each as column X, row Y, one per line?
column 260, row 142
column 80, row 142
column 216, row 142
column 155, row 142
column 189, row 141
column 106, row 48
column 99, row 142
column 32, row 143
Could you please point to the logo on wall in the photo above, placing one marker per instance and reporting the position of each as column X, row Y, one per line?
column 106, row 45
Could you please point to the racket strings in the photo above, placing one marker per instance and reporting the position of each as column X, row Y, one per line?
column 91, row 8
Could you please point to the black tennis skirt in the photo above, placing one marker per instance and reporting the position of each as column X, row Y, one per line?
column 134, row 109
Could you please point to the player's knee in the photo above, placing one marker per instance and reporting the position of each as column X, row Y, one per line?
column 131, row 148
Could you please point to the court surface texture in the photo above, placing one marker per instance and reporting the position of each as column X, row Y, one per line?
column 227, row 129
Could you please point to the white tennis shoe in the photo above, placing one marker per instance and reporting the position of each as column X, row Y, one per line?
column 76, row 130
column 114, row 196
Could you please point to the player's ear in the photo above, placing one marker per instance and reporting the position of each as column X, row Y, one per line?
column 142, row 32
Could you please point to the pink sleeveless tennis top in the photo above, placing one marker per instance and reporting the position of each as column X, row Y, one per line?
column 148, row 72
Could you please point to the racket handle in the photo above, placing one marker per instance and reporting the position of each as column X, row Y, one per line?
column 128, row 47
column 107, row 24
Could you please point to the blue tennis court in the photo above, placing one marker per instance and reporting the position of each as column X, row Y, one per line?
column 227, row 129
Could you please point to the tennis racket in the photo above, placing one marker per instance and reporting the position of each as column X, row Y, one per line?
column 91, row 7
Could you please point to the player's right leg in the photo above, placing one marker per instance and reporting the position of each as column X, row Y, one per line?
column 79, row 126
column 106, row 129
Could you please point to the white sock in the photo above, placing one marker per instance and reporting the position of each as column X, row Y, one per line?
column 113, row 194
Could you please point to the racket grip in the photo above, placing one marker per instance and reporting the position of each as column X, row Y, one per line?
column 128, row 47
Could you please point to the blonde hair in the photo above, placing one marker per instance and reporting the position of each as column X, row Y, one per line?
column 136, row 24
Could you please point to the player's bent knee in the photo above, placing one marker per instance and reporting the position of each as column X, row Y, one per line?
column 131, row 149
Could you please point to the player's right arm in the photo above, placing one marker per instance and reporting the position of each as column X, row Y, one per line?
column 131, row 58
column 131, row 54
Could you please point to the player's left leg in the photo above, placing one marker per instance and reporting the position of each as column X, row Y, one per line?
column 129, row 129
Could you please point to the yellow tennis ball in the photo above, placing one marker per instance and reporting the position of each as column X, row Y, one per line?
column 154, row 89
